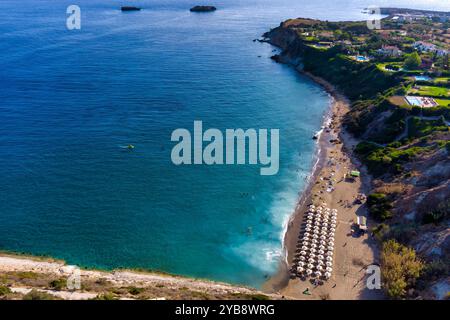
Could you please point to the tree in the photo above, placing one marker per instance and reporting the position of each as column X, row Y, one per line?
column 413, row 61
column 399, row 268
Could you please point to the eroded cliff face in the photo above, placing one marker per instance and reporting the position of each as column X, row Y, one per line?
column 420, row 191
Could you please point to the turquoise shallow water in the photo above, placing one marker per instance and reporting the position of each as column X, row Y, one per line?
column 69, row 100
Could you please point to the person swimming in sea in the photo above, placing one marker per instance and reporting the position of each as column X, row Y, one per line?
column 128, row 147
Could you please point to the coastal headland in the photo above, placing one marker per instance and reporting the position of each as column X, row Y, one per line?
column 371, row 160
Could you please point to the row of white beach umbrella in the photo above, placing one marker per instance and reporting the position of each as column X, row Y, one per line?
column 317, row 246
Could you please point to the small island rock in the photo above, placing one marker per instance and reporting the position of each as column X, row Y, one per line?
column 203, row 9
column 128, row 8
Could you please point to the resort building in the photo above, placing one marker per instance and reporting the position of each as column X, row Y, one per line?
column 392, row 51
column 424, row 46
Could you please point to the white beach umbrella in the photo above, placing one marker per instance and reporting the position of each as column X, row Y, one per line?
column 324, row 233
column 307, row 229
column 329, row 259
column 300, row 269
column 315, row 236
column 319, row 268
column 318, row 274
column 323, row 242
column 306, row 234
column 320, row 262
column 333, row 225
column 300, row 263
column 328, row 264
column 321, row 247
column 329, row 269
column 321, row 252
column 324, row 228
column 331, row 248
column 313, row 245
column 312, row 206
column 302, row 258
column 308, row 271
column 312, row 256
column 329, row 253
column 320, row 256
column 310, row 266
column 322, row 237
column 327, row 275
column 304, row 248
column 332, row 229
column 313, row 250
column 314, row 241
column 334, row 210
column 303, row 253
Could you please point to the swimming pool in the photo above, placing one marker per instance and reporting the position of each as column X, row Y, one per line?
column 422, row 78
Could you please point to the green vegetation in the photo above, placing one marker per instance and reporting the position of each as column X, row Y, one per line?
column 4, row 290
column 380, row 206
column 399, row 268
column 380, row 160
column 58, row 284
column 413, row 61
column 38, row 295
column 419, row 128
column 135, row 291
column 432, row 91
column 438, row 214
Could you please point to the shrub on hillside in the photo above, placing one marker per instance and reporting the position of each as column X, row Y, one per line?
column 399, row 268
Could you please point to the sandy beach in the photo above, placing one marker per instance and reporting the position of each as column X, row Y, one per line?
column 352, row 254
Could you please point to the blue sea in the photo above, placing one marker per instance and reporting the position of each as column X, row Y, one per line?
column 70, row 101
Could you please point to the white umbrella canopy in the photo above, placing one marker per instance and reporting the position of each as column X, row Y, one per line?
column 332, row 229
column 329, row 253
column 300, row 269
column 306, row 234
column 319, row 268
column 304, row 248
column 313, row 250
column 321, row 252
column 308, row 271
column 327, row 275
column 302, row 258
column 312, row 206
column 329, row 259
column 334, row 210
column 314, row 241
column 321, row 247
column 301, row 263
column 323, row 233
column 308, row 229
column 333, row 225
column 328, row 264
column 315, row 236
column 310, row 266
column 324, row 228
column 320, row 256
column 312, row 256
column 320, row 262
column 331, row 248
column 323, row 242
column 329, row 269
column 323, row 237
column 311, row 260
column 303, row 253
column 313, row 245
column 318, row 274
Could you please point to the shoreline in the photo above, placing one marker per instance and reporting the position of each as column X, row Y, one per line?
column 22, row 273
column 281, row 281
